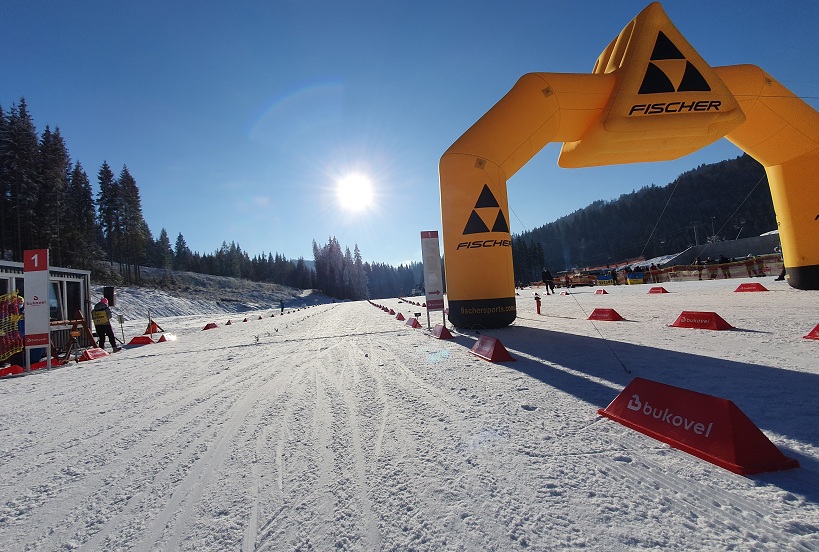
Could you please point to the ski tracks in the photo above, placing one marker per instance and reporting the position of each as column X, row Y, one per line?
column 357, row 467
column 344, row 431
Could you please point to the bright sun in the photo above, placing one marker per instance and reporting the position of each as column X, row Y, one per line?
column 355, row 192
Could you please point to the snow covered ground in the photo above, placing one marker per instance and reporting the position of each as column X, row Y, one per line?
column 337, row 427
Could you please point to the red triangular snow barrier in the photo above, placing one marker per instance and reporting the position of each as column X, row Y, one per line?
column 707, row 427
column 753, row 286
column 399, row 316
column 55, row 363
column 141, row 340
column 228, row 323
column 392, row 312
column 610, row 315
column 813, row 334
column 210, row 326
column 601, row 292
column 702, row 320
column 245, row 320
column 413, row 322
column 441, row 332
column 93, row 354
column 658, row 289
column 491, row 349
column 167, row 337
column 152, row 328
column 12, row 370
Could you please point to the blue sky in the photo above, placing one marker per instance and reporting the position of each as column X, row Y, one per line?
column 237, row 118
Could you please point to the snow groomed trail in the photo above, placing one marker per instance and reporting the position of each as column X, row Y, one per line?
column 337, row 427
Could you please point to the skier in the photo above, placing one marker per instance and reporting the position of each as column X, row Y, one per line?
column 102, row 322
column 548, row 280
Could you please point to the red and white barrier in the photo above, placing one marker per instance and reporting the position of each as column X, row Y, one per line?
column 705, row 426
column 701, row 320
column 489, row 348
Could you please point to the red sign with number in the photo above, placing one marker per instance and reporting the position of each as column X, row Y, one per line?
column 35, row 260
column 35, row 267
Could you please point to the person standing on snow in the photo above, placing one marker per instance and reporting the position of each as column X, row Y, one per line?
column 778, row 249
column 102, row 322
column 549, row 280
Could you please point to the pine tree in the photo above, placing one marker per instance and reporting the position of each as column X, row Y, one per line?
column 182, row 254
column 20, row 172
column 80, row 242
column 134, row 231
column 360, row 290
column 108, row 209
column 5, row 207
column 55, row 169
column 164, row 252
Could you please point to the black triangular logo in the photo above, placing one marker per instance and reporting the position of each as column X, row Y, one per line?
column 655, row 81
column 500, row 223
column 692, row 80
column 486, row 199
column 475, row 225
column 665, row 49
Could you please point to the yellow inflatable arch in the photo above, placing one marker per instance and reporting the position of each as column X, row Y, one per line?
column 651, row 97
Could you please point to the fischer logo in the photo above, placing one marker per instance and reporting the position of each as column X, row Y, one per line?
column 674, row 107
column 668, row 71
column 665, row 415
column 484, row 243
column 488, row 204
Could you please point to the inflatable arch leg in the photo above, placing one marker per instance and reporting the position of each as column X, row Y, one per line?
column 782, row 132
column 540, row 108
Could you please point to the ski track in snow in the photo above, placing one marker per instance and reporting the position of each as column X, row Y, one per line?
column 338, row 428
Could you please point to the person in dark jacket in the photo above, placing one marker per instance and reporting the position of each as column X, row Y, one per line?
column 548, row 280
column 781, row 276
column 102, row 322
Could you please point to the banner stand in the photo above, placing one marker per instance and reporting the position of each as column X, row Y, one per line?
column 37, row 315
column 433, row 280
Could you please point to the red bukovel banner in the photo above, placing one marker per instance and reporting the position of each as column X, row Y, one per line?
column 708, row 427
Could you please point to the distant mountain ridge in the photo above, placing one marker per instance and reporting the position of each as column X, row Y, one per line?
column 719, row 201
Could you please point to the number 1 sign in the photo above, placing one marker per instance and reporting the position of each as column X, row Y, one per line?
column 35, row 267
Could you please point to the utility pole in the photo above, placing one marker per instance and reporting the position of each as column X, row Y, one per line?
column 695, row 224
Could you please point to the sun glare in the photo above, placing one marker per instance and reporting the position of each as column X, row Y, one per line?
column 355, row 192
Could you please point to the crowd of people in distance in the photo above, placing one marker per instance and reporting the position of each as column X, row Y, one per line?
column 754, row 266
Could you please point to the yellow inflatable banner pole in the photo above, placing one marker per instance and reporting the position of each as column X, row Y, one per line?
column 782, row 132
column 541, row 108
column 650, row 97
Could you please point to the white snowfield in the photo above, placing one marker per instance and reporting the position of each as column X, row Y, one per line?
column 337, row 427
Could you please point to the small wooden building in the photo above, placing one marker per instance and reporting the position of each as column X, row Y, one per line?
column 69, row 292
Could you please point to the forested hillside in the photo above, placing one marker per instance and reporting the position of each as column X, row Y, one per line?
column 721, row 201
